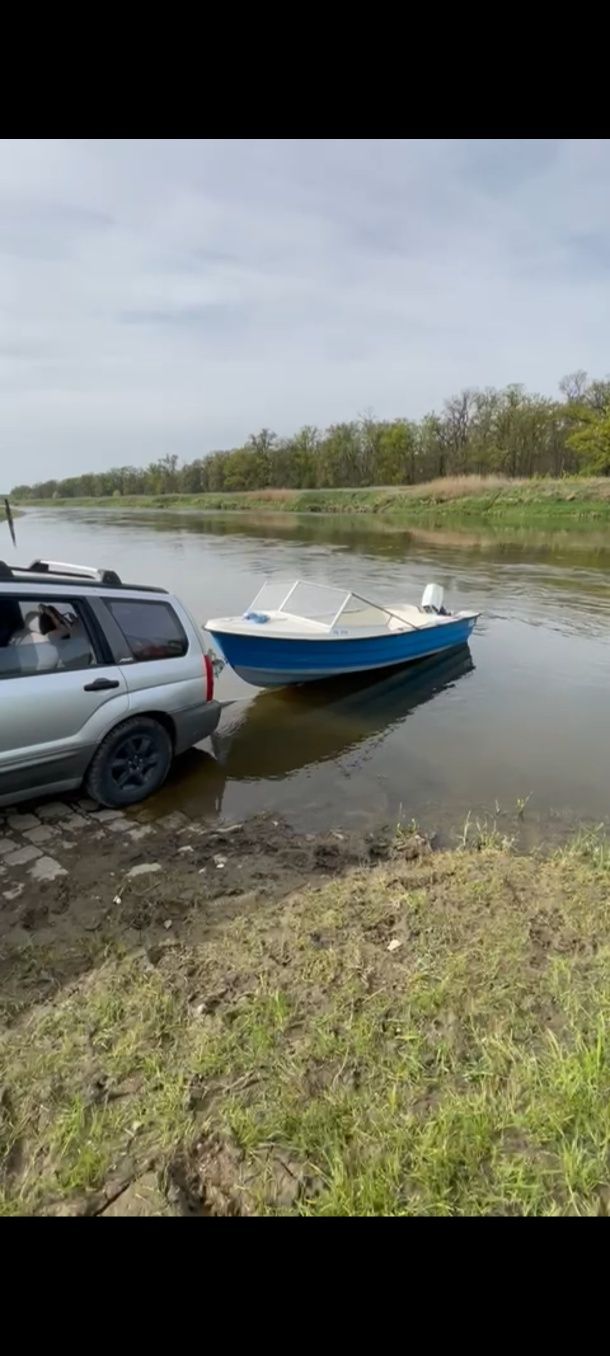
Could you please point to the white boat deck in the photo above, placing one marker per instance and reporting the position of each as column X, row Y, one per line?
column 285, row 622
column 327, row 613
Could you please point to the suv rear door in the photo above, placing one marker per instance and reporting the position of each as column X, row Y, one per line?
column 51, row 717
column 164, row 649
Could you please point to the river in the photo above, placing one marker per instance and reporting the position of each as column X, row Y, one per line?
column 514, row 731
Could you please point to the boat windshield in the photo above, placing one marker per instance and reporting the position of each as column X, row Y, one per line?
column 323, row 603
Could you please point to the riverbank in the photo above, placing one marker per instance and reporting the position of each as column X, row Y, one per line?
column 248, row 1021
column 571, row 501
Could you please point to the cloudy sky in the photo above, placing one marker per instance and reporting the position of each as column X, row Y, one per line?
column 174, row 296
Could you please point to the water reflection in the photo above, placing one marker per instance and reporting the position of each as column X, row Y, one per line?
column 280, row 733
column 384, row 536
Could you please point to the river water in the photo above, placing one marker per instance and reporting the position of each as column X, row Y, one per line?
column 522, row 716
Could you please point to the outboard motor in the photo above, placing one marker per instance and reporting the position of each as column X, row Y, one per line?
column 432, row 600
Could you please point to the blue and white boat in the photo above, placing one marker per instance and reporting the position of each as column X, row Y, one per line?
column 309, row 631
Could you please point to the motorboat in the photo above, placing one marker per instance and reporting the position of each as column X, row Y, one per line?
column 309, row 631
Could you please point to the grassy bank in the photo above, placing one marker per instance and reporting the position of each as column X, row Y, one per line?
column 562, row 503
column 393, row 1032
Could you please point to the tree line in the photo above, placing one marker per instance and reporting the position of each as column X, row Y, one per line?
column 509, row 432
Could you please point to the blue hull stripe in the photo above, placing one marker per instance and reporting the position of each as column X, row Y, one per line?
column 277, row 661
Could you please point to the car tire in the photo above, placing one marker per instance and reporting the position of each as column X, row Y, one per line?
column 131, row 763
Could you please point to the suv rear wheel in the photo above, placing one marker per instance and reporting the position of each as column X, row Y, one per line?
column 131, row 763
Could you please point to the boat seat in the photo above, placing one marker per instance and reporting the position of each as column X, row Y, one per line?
column 411, row 615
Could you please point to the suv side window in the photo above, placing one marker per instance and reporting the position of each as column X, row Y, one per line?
column 42, row 636
column 152, row 629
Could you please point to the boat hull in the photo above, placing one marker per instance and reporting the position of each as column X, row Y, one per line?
column 269, row 661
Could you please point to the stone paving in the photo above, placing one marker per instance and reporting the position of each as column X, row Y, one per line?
column 36, row 844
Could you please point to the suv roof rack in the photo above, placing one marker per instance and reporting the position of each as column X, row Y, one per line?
column 55, row 571
column 74, row 571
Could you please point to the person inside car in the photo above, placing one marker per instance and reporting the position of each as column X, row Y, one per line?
column 59, row 638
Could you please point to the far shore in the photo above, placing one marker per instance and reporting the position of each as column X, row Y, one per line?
column 570, row 502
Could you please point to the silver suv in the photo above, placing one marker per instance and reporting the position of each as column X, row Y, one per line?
column 100, row 682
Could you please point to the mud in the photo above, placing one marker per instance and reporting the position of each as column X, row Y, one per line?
column 178, row 880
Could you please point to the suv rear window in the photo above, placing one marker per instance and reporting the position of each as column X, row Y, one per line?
column 152, row 630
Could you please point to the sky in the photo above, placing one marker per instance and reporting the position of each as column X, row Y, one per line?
column 175, row 296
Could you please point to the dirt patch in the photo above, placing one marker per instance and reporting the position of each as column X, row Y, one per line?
column 54, row 931
column 215, row 1178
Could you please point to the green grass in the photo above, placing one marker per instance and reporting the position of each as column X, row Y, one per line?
column 569, row 502
column 465, row 1072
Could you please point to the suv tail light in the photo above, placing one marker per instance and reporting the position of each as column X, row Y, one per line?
column 208, row 673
